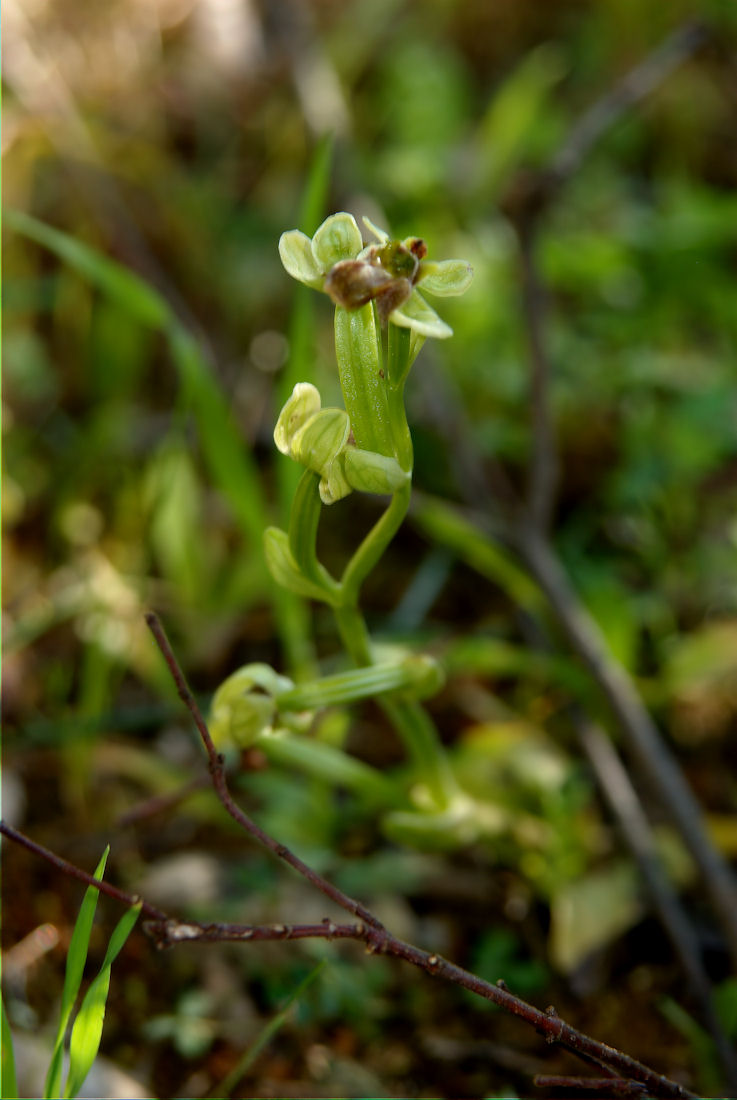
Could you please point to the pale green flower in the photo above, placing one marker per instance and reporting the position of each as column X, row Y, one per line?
column 337, row 262
column 320, row 439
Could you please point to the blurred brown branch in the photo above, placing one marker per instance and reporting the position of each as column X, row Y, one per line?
column 631, row 1076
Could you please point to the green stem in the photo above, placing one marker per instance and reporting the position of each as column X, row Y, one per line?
column 373, row 546
column 303, row 523
column 398, row 362
column 411, row 721
column 421, row 739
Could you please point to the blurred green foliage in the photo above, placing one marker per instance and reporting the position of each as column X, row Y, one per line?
column 138, row 463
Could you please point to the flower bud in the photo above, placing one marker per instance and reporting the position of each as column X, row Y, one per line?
column 244, row 705
column 370, row 472
column 301, row 406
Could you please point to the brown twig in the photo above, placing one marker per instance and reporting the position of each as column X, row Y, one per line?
column 378, row 939
column 217, row 771
column 642, row 737
column 620, row 1086
column 167, row 931
column 620, row 794
column 529, row 197
column 77, row 872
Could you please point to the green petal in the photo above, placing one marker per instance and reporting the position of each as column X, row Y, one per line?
column 380, row 235
column 446, row 278
column 320, row 439
column 421, row 318
column 338, row 238
column 334, row 486
column 295, row 250
column 373, row 473
column 301, row 407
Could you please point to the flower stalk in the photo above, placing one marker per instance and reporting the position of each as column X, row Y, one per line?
column 382, row 320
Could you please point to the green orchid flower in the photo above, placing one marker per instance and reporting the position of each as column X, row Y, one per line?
column 337, row 262
column 321, row 440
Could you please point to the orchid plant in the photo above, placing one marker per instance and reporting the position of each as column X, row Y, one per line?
column 382, row 319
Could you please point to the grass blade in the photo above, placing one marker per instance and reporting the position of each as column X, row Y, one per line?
column 8, row 1082
column 87, row 1030
column 135, row 297
column 226, row 1086
column 76, row 958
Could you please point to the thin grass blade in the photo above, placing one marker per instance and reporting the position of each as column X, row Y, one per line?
column 87, row 1030
column 76, row 958
column 8, row 1082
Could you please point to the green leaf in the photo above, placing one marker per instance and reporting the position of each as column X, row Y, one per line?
column 228, row 1084
column 87, row 1031
column 231, row 465
column 285, row 571
column 331, row 765
column 8, row 1082
column 76, row 958
column 449, row 527
column 131, row 293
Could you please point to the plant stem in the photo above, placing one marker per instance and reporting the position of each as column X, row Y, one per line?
column 411, row 721
column 373, row 546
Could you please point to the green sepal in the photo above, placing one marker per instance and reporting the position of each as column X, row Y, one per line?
column 318, row 445
column 286, row 572
column 421, row 318
column 304, row 519
column 295, row 251
column 445, row 278
column 338, row 238
column 369, row 472
column 303, row 403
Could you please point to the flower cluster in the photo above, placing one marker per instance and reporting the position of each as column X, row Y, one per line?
column 337, row 262
column 320, row 439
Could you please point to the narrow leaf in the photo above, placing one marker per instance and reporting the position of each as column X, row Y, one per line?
column 87, row 1031
column 76, row 958
column 8, row 1082
column 130, row 292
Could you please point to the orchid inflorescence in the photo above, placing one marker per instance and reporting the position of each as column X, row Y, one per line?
column 381, row 321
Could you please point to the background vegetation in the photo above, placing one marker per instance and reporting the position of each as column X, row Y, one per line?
column 178, row 137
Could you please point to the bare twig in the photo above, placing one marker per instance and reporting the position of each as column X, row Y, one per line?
column 642, row 737
column 638, row 83
column 77, row 872
column 542, row 479
column 377, row 939
column 167, row 931
column 620, row 1086
column 217, row 771
column 620, row 794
